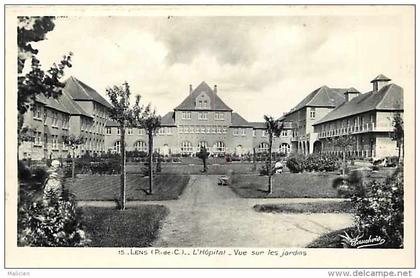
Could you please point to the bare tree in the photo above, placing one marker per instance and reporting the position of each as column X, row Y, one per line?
column 151, row 123
column 73, row 142
column 125, row 116
column 273, row 128
column 398, row 133
column 343, row 143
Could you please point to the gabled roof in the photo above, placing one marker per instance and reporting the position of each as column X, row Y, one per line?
column 389, row 98
column 380, row 77
column 215, row 102
column 238, row 121
column 168, row 119
column 72, row 107
column 80, row 91
column 53, row 103
column 322, row 97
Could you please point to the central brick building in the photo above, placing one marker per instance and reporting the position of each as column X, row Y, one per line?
column 202, row 119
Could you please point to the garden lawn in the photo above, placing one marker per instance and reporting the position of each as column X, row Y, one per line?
column 134, row 227
column 312, row 207
column 107, row 188
column 286, row 185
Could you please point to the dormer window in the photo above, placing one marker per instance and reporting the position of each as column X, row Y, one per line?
column 202, row 101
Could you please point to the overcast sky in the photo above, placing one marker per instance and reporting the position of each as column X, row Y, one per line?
column 262, row 65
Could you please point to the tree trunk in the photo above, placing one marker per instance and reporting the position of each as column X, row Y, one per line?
column 73, row 166
column 150, row 162
column 270, row 143
column 344, row 162
column 123, row 176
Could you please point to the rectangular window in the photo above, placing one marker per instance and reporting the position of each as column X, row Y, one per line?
column 208, row 129
column 219, row 116
column 141, row 131
column 181, row 129
column 224, row 130
column 118, row 131
column 205, row 104
column 284, row 133
column 203, row 129
column 186, row 115
column 264, row 133
column 108, row 130
column 312, row 113
column 130, row 131
column 254, row 133
column 200, row 104
column 243, row 132
column 202, row 116
column 235, row 131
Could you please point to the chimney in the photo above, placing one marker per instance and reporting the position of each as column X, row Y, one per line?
column 379, row 82
column 351, row 93
column 215, row 89
column 191, row 89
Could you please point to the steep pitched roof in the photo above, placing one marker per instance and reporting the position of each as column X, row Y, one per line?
column 72, row 107
column 215, row 102
column 53, row 103
column 238, row 121
column 80, row 91
column 111, row 123
column 168, row 119
column 322, row 97
column 389, row 98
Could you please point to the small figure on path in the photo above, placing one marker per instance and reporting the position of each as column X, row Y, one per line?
column 278, row 167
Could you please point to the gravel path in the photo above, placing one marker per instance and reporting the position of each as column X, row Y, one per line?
column 208, row 215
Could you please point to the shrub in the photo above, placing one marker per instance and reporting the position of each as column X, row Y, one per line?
column 380, row 210
column 50, row 222
column 39, row 174
column 24, row 173
column 295, row 163
column 264, row 169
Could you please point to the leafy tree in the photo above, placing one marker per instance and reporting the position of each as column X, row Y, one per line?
column 273, row 128
column 36, row 81
column 151, row 123
column 343, row 143
column 203, row 155
column 398, row 133
column 125, row 115
column 73, row 142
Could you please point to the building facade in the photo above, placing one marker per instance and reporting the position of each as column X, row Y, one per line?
column 202, row 119
column 367, row 117
column 311, row 109
column 78, row 111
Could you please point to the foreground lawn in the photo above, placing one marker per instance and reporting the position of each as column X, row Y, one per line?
column 315, row 207
column 286, row 185
column 107, row 188
column 134, row 227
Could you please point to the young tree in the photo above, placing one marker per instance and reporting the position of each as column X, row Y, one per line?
column 36, row 81
column 273, row 128
column 343, row 143
column 73, row 142
column 124, row 115
column 398, row 133
column 203, row 155
column 151, row 123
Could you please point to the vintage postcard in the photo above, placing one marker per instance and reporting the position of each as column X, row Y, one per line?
column 210, row 136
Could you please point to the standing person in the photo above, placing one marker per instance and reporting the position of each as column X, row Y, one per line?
column 53, row 184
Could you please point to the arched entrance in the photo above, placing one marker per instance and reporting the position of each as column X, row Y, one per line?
column 317, row 147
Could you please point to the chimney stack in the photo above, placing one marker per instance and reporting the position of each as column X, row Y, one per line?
column 215, row 89
column 191, row 89
column 351, row 93
column 379, row 82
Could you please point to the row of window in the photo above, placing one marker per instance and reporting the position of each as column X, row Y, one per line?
column 187, row 147
column 203, row 129
column 356, row 121
column 140, row 131
column 203, row 116
column 53, row 115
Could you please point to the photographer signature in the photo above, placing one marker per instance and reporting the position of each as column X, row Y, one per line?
column 359, row 242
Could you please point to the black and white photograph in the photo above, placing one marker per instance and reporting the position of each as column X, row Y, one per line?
column 210, row 133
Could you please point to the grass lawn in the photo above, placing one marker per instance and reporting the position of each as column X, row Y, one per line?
column 315, row 207
column 134, row 227
column 286, row 185
column 107, row 188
